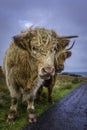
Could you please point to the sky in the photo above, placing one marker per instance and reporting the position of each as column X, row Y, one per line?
column 66, row 17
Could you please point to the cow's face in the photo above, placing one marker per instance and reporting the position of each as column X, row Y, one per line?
column 61, row 59
column 41, row 46
column 44, row 54
column 45, row 60
column 62, row 53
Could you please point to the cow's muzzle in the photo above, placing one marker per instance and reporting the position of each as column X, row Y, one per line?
column 59, row 68
column 47, row 72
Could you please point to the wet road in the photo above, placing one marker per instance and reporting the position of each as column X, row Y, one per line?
column 68, row 114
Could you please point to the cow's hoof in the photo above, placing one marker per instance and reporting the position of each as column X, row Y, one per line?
column 31, row 118
column 11, row 117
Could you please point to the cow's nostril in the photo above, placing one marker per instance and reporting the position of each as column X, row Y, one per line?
column 47, row 70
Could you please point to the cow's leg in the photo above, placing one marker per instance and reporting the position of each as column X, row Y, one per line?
column 50, row 88
column 13, row 110
column 50, row 94
column 14, row 103
column 31, row 110
column 39, row 94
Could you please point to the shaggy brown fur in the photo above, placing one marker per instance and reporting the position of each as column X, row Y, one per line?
column 28, row 61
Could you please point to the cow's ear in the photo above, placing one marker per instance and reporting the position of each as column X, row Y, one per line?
column 22, row 40
column 69, row 53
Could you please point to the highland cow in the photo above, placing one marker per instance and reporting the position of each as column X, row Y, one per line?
column 27, row 63
column 61, row 55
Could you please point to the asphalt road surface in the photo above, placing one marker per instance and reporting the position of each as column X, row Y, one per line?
column 70, row 113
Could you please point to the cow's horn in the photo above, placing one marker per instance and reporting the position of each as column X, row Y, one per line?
column 69, row 37
column 70, row 47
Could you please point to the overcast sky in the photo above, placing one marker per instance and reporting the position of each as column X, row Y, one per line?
column 66, row 17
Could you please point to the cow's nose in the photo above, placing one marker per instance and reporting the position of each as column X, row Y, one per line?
column 60, row 68
column 48, row 70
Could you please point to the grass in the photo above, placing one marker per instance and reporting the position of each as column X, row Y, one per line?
column 62, row 87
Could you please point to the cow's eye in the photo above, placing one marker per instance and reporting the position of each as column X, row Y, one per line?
column 55, row 48
column 33, row 48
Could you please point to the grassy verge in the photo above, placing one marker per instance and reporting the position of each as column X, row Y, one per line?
column 62, row 87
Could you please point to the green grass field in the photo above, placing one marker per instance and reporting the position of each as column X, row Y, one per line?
column 62, row 87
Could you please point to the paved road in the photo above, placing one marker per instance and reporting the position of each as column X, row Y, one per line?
column 68, row 114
